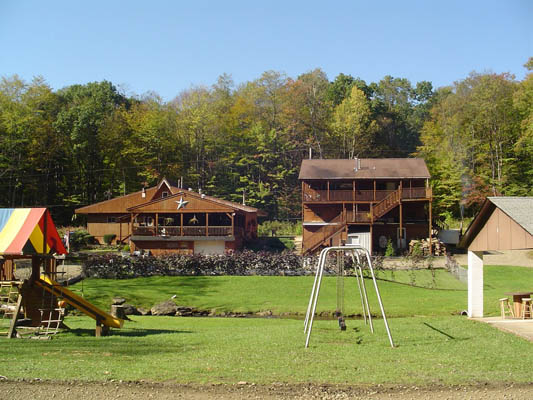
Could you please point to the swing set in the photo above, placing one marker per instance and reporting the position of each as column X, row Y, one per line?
column 357, row 254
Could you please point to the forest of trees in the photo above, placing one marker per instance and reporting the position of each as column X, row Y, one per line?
column 86, row 143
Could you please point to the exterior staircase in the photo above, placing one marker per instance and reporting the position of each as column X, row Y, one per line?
column 387, row 204
column 325, row 233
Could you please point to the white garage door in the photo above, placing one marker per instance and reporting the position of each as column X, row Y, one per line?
column 209, row 247
column 361, row 239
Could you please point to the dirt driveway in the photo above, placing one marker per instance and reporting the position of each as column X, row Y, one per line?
column 15, row 390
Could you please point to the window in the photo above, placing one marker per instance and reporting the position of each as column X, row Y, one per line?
column 164, row 194
column 111, row 220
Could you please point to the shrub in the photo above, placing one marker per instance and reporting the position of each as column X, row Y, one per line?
column 112, row 266
column 389, row 251
column 80, row 239
column 108, row 238
column 240, row 263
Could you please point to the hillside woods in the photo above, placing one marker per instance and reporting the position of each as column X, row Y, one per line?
column 86, row 143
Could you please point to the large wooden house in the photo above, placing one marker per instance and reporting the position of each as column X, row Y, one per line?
column 169, row 219
column 368, row 202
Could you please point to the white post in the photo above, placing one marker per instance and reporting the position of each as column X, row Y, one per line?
column 475, row 284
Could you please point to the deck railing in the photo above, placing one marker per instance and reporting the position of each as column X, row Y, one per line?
column 359, row 216
column 321, row 196
column 165, row 231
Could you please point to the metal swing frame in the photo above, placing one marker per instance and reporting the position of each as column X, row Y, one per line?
column 356, row 252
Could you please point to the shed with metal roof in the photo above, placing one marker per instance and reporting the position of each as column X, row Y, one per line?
column 503, row 223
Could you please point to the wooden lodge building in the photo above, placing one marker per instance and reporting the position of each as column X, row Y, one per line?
column 169, row 219
column 365, row 201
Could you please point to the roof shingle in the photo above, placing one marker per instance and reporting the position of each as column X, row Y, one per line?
column 369, row 168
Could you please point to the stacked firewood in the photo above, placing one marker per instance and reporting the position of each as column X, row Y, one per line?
column 422, row 247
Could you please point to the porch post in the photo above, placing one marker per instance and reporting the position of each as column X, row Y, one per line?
column 430, row 231
column 371, row 238
column 181, row 224
column 401, row 215
column 475, row 284
column 206, row 224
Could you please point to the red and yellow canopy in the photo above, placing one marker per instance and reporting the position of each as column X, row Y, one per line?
column 28, row 231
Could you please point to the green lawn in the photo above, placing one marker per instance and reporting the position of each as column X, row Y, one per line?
column 442, row 295
column 443, row 350
column 434, row 346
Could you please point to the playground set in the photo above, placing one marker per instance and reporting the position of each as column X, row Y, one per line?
column 35, row 307
column 359, row 256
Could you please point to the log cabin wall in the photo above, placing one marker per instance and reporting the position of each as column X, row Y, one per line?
column 99, row 225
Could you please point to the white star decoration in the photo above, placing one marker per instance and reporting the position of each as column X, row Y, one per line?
column 181, row 203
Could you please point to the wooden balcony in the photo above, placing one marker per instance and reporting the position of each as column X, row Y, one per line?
column 362, row 217
column 181, row 231
column 326, row 196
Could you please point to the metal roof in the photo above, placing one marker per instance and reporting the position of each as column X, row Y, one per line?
column 518, row 208
column 364, row 168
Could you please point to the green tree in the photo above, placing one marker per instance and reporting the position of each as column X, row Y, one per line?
column 353, row 125
column 84, row 111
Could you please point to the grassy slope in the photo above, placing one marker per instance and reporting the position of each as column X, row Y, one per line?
column 291, row 294
column 437, row 348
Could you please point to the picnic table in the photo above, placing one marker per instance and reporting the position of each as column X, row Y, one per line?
column 517, row 301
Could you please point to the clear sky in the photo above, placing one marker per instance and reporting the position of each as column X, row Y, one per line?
column 167, row 46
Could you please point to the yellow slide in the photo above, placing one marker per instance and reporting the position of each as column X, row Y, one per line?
column 78, row 302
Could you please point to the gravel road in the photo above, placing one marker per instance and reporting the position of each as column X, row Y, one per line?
column 15, row 390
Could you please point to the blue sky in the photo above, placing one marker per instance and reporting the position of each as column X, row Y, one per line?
column 168, row 46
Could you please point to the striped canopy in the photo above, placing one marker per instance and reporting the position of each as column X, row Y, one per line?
column 28, row 231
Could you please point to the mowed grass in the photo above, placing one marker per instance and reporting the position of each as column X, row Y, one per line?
column 433, row 345
column 435, row 294
column 431, row 350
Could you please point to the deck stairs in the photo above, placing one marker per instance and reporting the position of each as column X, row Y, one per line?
column 387, row 204
column 325, row 233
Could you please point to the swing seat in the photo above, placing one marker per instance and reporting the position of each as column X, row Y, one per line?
column 342, row 324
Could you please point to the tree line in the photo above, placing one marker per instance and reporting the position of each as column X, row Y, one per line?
column 85, row 143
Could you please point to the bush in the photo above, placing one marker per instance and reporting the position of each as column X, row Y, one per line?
column 112, row 266
column 389, row 251
column 241, row 263
column 80, row 239
column 108, row 238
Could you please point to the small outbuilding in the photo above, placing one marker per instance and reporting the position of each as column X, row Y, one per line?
column 503, row 223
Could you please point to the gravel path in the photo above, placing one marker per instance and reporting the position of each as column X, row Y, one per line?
column 15, row 390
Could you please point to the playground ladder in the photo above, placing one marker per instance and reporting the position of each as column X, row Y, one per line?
column 51, row 320
column 10, row 301
column 52, row 317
